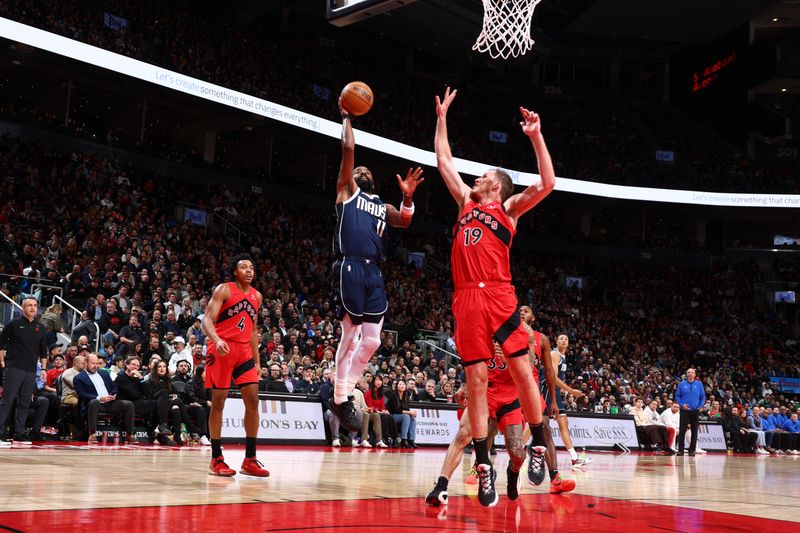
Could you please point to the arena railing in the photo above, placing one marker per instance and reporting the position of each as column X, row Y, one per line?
column 76, row 316
column 452, row 358
column 8, row 308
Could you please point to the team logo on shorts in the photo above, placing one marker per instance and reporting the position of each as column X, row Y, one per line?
column 211, row 359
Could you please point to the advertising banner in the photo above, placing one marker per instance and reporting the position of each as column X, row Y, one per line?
column 785, row 384
column 436, row 426
column 279, row 419
column 710, row 437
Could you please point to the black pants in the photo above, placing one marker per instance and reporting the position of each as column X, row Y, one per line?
column 657, row 435
column 200, row 416
column 181, row 416
column 786, row 441
column 121, row 407
column 17, row 385
column 688, row 418
column 388, row 428
column 38, row 412
column 743, row 442
column 159, row 405
column 53, row 402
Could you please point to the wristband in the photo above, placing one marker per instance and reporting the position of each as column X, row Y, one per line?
column 407, row 211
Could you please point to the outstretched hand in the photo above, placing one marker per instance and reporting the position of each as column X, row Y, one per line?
column 344, row 113
column 553, row 410
column 409, row 184
column 531, row 124
column 443, row 105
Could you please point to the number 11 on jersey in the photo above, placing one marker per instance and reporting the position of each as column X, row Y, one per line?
column 381, row 227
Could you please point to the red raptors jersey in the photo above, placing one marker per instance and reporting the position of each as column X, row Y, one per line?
column 498, row 366
column 237, row 318
column 481, row 244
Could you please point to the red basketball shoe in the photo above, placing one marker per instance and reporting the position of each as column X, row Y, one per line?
column 219, row 468
column 559, row 485
column 253, row 467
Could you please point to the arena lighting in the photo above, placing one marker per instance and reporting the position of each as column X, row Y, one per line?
column 221, row 95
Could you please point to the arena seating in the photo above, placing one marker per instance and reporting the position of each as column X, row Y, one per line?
column 592, row 137
column 634, row 329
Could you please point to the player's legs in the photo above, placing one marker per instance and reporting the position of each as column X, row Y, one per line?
column 218, row 379
column 474, row 341
column 251, row 466
column 529, row 396
column 364, row 349
column 563, row 428
column 250, row 399
column 513, row 339
column 453, row 458
column 478, row 412
column 349, row 280
column 351, row 332
column 515, row 446
column 218, row 397
column 375, row 306
column 550, row 456
column 557, row 484
column 218, row 466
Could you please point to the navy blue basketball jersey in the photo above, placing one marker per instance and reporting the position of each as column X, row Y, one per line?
column 561, row 370
column 361, row 228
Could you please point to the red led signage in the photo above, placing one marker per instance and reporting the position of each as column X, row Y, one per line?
column 710, row 74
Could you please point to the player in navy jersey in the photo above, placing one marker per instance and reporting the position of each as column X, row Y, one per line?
column 559, row 357
column 360, row 244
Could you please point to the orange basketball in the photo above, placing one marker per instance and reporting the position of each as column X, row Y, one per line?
column 357, row 98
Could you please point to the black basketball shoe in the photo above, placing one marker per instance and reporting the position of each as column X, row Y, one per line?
column 346, row 413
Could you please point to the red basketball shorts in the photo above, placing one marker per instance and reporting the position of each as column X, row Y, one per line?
column 504, row 406
column 484, row 314
column 236, row 368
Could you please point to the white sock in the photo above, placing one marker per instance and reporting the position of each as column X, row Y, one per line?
column 350, row 334
column 572, row 454
column 370, row 341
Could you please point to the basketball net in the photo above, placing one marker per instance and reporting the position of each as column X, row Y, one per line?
column 506, row 28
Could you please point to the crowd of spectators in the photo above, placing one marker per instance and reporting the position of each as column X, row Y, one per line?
column 594, row 138
column 109, row 238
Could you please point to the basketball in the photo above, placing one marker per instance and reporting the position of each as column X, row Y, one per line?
column 357, row 98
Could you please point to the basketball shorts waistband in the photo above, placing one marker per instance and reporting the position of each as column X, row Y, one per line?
column 470, row 285
column 360, row 259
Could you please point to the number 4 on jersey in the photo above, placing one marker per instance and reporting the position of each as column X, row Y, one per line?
column 240, row 324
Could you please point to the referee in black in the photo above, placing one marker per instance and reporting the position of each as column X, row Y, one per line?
column 22, row 343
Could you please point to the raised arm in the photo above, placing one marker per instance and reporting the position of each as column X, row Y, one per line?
column 444, row 158
column 523, row 202
column 220, row 294
column 346, row 184
column 401, row 218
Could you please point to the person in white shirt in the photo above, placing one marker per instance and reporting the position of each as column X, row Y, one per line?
column 671, row 418
column 649, row 426
column 182, row 353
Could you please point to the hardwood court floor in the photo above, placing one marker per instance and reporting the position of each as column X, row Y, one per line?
column 69, row 488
